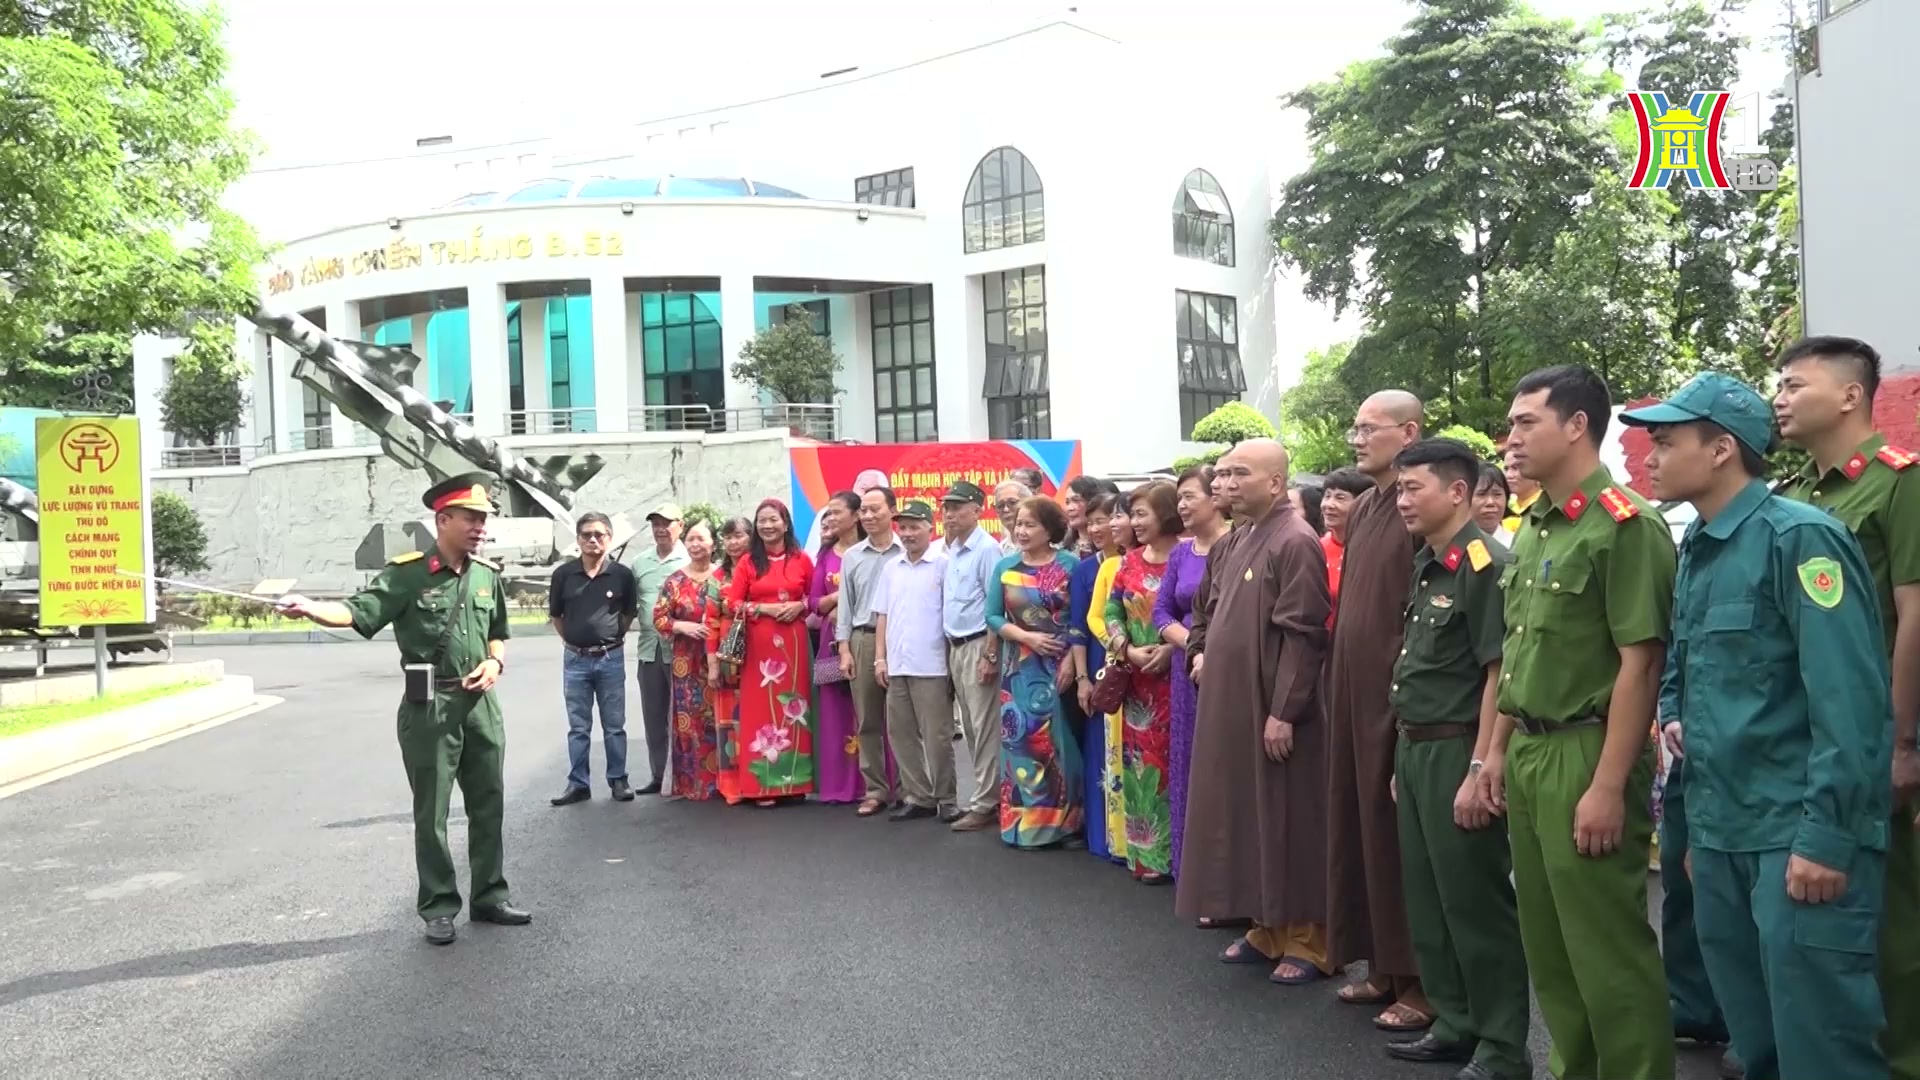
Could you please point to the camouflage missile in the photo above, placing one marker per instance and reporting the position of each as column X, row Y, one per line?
column 18, row 500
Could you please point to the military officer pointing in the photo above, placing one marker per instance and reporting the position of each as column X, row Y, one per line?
column 1453, row 846
column 1778, row 668
column 1588, row 601
column 449, row 617
column 1825, row 405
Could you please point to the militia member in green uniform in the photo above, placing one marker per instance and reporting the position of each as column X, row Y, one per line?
column 1825, row 405
column 448, row 610
column 1453, row 845
column 1778, row 672
column 1588, row 600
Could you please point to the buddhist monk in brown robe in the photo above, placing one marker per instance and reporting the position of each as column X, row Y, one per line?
column 1366, row 909
column 1255, row 843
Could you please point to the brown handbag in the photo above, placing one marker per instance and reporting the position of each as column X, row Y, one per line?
column 1110, row 687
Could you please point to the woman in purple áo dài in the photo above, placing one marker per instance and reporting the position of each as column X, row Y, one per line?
column 1173, row 616
column 836, row 753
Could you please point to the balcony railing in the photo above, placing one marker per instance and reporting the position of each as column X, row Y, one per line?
column 810, row 421
column 549, row 421
column 211, row 457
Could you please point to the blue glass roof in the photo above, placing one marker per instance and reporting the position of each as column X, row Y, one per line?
column 614, row 187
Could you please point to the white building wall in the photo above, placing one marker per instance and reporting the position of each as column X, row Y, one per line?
column 1859, row 223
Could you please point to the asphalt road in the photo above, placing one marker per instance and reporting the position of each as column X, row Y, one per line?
column 239, row 903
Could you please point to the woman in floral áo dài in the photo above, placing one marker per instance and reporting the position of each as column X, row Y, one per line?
column 687, row 599
column 1112, row 769
column 1148, row 714
column 1040, row 796
column 769, row 590
column 1090, row 655
column 736, row 539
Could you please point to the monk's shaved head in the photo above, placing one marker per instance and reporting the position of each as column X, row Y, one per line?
column 1268, row 454
column 1253, row 477
column 1385, row 424
column 1402, row 405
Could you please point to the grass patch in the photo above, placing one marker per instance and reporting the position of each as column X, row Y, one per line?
column 20, row 719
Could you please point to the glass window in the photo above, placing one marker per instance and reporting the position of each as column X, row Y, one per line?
column 1202, row 220
column 1004, row 204
column 885, row 189
column 1207, row 354
column 820, row 311
column 681, row 348
column 903, row 381
column 1019, row 403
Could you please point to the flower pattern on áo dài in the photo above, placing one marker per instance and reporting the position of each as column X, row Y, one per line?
column 694, row 749
column 1040, row 796
column 1148, row 721
column 775, row 687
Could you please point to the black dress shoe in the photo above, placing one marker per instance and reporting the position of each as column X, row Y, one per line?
column 910, row 812
column 1430, row 1048
column 504, row 915
column 440, row 931
column 623, row 793
column 652, row 788
column 1476, row 1071
column 1705, row 1034
column 949, row 813
column 570, row 796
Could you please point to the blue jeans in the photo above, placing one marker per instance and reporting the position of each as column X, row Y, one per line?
column 585, row 680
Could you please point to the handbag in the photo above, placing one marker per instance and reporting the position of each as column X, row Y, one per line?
column 1110, row 687
column 733, row 646
column 826, row 662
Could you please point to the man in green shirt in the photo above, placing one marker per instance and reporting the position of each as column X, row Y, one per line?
column 1453, row 846
column 1778, row 679
column 1587, row 603
column 1825, row 404
column 448, row 611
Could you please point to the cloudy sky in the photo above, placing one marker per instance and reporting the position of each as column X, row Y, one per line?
column 322, row 80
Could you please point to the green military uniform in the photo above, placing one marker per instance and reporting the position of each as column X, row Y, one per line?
column 1460, row 905
column 1777, row 675
column 1876, row 494
column 460, row 736
column 1589, row 578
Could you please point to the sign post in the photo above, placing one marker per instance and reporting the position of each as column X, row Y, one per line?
column 93, row 525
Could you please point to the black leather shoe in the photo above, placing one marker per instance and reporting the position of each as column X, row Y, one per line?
column 621, row 792
column 570, row 796
column 949, row 813
column 910, row 812
column 1701, row 1033
column 1477, row 1071
column 440, row 931
column 651, row 789
column 1430, row 1048
column 504, row 915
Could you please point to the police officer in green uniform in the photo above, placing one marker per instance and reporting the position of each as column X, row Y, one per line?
column 1453, row 846
column 1779, row 670
column 1825, row 404
column 449, row 615
column 1588, row 599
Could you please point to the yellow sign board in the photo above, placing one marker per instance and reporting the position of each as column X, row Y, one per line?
column 93, row 521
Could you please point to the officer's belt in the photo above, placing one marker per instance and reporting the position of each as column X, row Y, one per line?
column 1435, row 732
column 448, row 684
column 1527, row 725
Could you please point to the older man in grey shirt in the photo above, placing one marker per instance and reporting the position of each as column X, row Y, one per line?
column 1006, row 502
column 860, row 571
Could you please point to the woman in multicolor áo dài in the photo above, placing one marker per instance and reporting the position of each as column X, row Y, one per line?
column 1040, row 778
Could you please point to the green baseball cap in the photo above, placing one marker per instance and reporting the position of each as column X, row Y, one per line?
column 914, row 510
column 1719, row 398
column 965, row 491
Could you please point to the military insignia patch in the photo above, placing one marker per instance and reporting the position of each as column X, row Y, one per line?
column 482, row 594
column 1618, row 504
column 1478, row 556
column 1442, row 602
column 1896, row 457
column 405, row 557
column 1820, row 578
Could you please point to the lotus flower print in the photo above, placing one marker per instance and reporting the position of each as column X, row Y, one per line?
column 795, row 709
column 771, row 742
column 772, row 670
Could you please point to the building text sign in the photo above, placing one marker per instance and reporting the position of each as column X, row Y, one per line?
column 477, row 246
column 93, row 521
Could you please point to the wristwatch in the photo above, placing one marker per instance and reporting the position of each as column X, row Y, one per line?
column 1475, row 766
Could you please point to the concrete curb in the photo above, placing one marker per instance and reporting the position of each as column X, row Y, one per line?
column 24, row 757
column 228, row 638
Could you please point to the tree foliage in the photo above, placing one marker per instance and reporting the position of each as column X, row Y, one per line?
column 1467, row 196
column 1482, row 446
column 790, row 361
column 1234, row 422
column 204, row 397
column 115, row 147
column 179, row 540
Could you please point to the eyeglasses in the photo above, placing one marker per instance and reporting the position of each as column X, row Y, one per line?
column 1006, row 504
column 598, row 537
column 1367, row 431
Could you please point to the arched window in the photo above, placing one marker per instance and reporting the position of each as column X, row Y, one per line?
column 1005, row 205
column 1202, row 220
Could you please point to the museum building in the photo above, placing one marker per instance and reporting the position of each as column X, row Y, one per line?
column 1031, row 238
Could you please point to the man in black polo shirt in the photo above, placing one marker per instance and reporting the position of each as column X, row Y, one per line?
column 593, row 602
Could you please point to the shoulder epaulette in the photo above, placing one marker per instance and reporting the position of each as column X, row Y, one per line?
column 405, row 557
column 1617, row 504
column 1895, row 457
column 488, row 563
column 1478, row 556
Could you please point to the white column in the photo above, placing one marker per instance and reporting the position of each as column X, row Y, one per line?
column 287, row 411
column 259, row 424
column 736, row 329
column 487, row 355
column 417, row 341
column 959, row 353
column 536, row 380
column 609, row 352
column 343, row 324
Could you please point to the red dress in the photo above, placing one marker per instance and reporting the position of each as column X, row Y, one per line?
column 773, row 754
